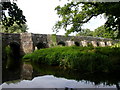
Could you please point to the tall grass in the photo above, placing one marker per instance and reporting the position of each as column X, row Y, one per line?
column 90, row 59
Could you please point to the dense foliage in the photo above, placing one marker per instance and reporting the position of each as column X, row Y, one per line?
column 74, row 14
column 99, row 32
column 104, row 32
column 85, row 32
column 14, row 12
column 14, row 29
column 90, row 59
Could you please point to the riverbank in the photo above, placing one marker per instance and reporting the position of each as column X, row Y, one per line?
column 87, row 59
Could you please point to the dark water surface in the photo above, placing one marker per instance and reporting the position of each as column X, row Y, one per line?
column 42, row 76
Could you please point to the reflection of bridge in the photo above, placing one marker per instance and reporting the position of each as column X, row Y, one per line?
column 28, row 42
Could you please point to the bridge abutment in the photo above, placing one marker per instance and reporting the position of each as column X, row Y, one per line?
column 26, row 43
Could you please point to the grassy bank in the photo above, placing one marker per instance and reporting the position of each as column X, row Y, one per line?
column 90, row 59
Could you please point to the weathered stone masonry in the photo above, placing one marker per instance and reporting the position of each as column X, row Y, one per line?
column 28, row 42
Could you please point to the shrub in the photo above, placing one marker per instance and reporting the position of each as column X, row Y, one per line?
column 116, row 45
column 79, row 58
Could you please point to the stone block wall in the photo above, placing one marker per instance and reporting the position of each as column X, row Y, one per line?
column 70, row 43
column 94, row 43
column 28, row 41
column 40, row 38
column 84, row 43
column 52, row 40
column 109, row 43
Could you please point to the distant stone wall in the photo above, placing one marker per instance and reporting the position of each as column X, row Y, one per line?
column 29, row 42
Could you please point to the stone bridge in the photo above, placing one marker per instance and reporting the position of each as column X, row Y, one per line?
column 28, row 42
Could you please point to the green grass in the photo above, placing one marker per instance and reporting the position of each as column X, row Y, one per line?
column 88, row 59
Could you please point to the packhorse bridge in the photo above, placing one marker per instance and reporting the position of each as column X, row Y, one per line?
column 28, row 42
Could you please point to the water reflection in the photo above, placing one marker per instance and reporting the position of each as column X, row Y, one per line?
column 9, row 74
column 26, row 72
column 49, row 81
column 96, row 78
column 54, row 77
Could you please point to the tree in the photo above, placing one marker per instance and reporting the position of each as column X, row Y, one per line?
column 14, row 29
column 15, row 14
column 74, row 14
column 99, row 32
column 85, row 32
column 104, row 32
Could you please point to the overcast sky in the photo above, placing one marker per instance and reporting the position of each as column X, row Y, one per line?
column 41, row 16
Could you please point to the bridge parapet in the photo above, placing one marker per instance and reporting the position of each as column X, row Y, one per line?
column 29, row 41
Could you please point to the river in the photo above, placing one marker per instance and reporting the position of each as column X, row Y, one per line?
column 30, row 75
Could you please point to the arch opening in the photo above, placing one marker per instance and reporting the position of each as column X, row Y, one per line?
column 15, row 48
column 105, row 43
column 41, row 45
column 97, row 43
column 77, row 44
column 61, row 43
column 13, row 55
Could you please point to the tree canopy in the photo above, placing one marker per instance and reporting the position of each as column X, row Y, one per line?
column 14, row 28
column 99, row 32
column 74, row 14
column 85, row 32
column 105, row 32
column 11, row 14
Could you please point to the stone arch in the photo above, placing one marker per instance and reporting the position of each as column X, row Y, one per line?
column 89, row 44
column 61, row 43
column 97, row 43
column 77, row 43
column 105, row 43
column 12, row 55
column 40, row 45
column 15, row 48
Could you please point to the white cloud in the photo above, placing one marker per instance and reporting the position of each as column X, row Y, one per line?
column 49, row 81
column 41, row 16
column 95, row 22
